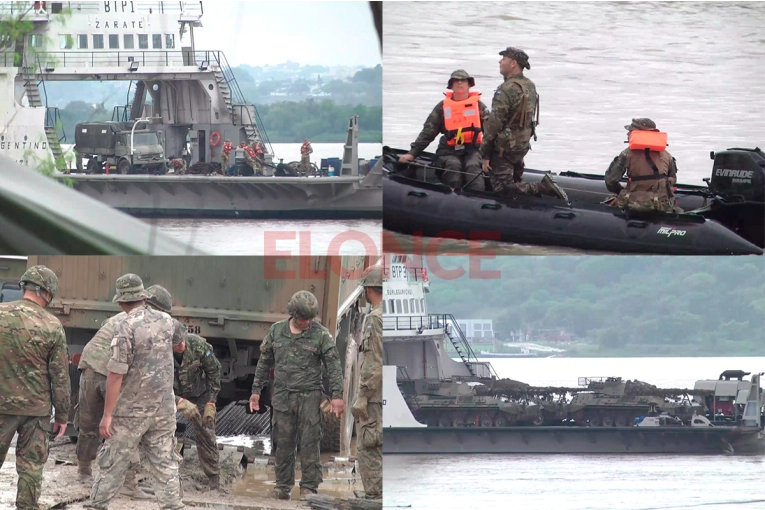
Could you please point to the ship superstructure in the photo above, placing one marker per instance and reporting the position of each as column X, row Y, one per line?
column 189, row 97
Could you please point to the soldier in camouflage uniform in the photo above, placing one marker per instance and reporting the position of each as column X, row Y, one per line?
column 225, row 155
column 139, row 410
column 197, row 380
column 455, row 158
column 92, row 395
column 34, row 373
column 652, row 175
column 508, row 131
column 90, row 407
column 368, row 406
column 296, row 348
column 179, row 164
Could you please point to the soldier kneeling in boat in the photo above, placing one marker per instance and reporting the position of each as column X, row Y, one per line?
column 651, row 171
column 459, row 118
column 509, row 129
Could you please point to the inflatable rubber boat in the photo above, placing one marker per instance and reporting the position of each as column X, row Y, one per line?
column 727, row 217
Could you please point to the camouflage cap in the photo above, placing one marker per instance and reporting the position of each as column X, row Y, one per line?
column 371, row 277
column 641, row 125
column 460, row 74
column 160, row 298
column 179, row 332
column 303, row 305
column 42, row 277
column 129, row 289
column 517, row 55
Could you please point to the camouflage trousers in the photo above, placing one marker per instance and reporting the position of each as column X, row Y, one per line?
column 155, row 435
column 31, row 454
column 298, row 425
column 506, row 174
column 305, row 164
column 90, row 410
column 207, row 445
column 369, row 450
column 469, row 163
column 224, row 163
column 645, row 201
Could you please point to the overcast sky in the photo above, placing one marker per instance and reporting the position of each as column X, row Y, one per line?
column 272, row 32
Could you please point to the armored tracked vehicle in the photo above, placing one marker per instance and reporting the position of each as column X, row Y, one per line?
column 607, row 403
column 456, row 404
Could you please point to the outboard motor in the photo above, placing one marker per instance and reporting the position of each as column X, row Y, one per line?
column 738, row 175
column 738, row 178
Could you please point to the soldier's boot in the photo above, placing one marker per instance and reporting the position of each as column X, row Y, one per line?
column 214, row 482
column 85, row 473
column 131, row 489
column 279, row 494
column 305, row 492
column 549, row 187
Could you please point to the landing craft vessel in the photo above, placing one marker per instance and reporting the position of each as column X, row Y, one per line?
column 434, row 404
column 190, row 98
column 725, row 218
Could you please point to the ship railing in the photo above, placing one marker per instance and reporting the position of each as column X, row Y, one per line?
column 121, row 113
column 53, row 119
column 190, row 9
column 29, row 11
column 219, row 59
column 413, row 323
column 122, row 58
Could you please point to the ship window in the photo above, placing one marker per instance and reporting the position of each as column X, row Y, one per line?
column 66, row 42
column 98, row 41
column 129, row 42
column 398, row 305
column 82, row 42
column 406, row 306
column 56, row 7
column 385, row 308
column 156, row 41
column 114, row 41
column 143, row 41
column 169, row 41
column 35, row 40
column 392, row 308
column 422, row 304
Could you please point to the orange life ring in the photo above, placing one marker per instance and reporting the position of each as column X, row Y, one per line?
column 214, row 139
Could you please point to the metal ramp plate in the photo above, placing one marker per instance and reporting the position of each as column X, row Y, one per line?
column 232, row 420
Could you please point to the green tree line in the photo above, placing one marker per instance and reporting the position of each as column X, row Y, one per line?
column 620, row 306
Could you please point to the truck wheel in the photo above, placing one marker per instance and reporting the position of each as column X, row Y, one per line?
column 94, row 167
column 124, row 167
column 330, row 433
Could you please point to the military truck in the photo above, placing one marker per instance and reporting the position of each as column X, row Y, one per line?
column 230, row 301
column 122, row 148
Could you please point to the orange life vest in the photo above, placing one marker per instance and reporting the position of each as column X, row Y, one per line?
column 227, row 147
column 651, row 140
column 304, row 148
column 462, row 120
column 250, row 151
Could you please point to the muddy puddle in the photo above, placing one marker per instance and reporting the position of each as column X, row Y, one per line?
column 247, row 474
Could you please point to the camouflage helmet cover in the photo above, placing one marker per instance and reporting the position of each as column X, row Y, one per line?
column 129, row 289
column 160, row 298
column 303, row 305
column 518, row 55
column 641, row 125
column 371, row 277
column 460, row 74
column 43, row 277
column 179, row 332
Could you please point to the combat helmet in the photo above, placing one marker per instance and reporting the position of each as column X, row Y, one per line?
column 129, row 289
column 371, row 277
column 179, row 332
column 303, row 305
column 40, row 278
column 160, row 298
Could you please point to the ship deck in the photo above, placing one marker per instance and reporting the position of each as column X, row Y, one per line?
column 202, row 196
column 574, row 440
